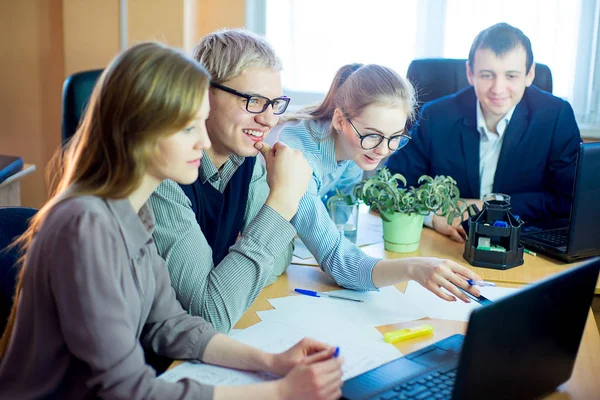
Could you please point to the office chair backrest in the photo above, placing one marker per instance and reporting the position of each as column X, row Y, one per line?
column 437, row 77
column 77, row 90
column 13, row 221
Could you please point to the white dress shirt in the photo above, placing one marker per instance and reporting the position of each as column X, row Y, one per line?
column 490, row 145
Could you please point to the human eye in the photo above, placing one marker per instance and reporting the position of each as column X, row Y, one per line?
column 189, row 129
column 254, row 100
column 373, row 139
column 485, row 75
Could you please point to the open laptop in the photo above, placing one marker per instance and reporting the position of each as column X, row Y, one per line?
column 519, row 347
column 581, row 238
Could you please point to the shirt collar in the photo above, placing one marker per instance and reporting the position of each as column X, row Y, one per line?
column 208, row 169
column 500, row 127
column 136, row 228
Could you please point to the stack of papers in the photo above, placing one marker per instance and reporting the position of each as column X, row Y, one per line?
column 386, row 306
column 347, row 324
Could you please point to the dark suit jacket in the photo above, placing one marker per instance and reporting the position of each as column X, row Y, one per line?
column 537, row 160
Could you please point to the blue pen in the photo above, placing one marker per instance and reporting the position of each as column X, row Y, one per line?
column 321, row 294
column 336, row 353
column 480, row 283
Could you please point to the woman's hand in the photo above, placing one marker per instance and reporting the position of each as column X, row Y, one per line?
column 283, row 363
column 318, row 376
column 436, row 273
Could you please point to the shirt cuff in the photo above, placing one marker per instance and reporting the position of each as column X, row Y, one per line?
column 272, row 229
column 428, row 220
column 364, row 273
column 203, row 339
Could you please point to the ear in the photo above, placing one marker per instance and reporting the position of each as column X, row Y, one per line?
column 469, row 73
column 530, row 76
column 338, row 119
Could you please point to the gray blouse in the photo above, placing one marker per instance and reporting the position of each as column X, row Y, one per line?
column 94, row 287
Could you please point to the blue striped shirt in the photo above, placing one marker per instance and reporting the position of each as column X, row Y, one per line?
column 337, row 256
column 220, row 293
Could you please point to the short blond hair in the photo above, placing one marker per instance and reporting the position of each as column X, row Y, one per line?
column 227, row 53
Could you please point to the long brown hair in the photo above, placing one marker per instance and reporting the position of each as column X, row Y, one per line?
column 357, row 86
column 146, row 93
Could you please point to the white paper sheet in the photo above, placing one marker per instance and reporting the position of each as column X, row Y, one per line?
column 435, row 307
column 370, row 229
column 300, row 249
column 386, row 306
column 362, row 348
column 213, row 375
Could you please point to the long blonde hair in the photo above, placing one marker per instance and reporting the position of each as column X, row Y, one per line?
column 357, row 86
column 146, row 93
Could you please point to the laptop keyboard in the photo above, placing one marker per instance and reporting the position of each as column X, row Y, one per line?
column 435, row 385
column 557, row 238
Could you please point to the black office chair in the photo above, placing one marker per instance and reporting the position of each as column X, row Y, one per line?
column 437, row 77
column 13, row 221
column 77, row 90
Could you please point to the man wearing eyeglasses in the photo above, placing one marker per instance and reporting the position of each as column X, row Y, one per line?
column 500, row 135
column 228, row 234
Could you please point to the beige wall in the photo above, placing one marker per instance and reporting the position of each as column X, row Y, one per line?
column 44, row 41
column 217, row 14
column 160, row 20
column 91, row 33
column 31, row 74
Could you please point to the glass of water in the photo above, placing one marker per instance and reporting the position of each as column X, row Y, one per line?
column 345, row 217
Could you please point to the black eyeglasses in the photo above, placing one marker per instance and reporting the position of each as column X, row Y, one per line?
column 372, row 140
column 257, row 104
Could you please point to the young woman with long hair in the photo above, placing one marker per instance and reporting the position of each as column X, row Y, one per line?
column 92, row 290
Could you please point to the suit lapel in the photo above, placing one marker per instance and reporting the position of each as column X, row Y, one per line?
column 512, row 138
column 470, row 140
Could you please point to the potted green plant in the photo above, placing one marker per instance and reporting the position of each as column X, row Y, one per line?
column 402, row 208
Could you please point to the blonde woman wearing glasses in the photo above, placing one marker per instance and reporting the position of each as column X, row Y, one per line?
column 361, row 121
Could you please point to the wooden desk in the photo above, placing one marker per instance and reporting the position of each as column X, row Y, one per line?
column 10, row 189
column 435, row 245
column 584, row 384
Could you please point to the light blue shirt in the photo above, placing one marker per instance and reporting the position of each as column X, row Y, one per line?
column 340, row 258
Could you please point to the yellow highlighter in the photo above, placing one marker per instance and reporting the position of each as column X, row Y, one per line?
column 403, row 334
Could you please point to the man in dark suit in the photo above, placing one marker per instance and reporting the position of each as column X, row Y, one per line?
column 500, row 135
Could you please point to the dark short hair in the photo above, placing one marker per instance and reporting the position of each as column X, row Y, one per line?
column 501, row 38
